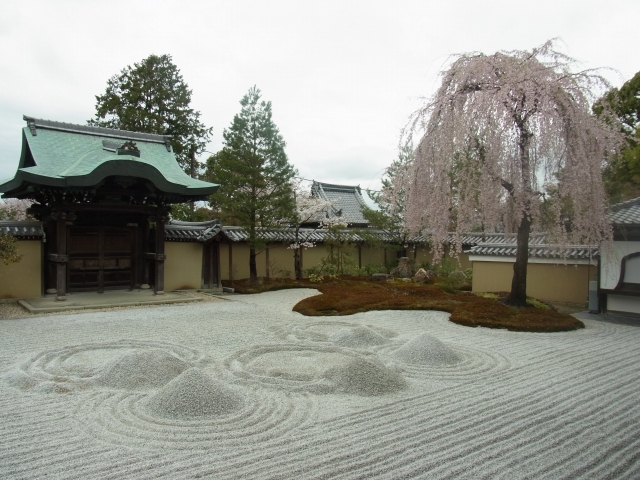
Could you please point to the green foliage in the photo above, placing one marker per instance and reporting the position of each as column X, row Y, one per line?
column 391, row 200
column 370, row 269
column 339, row 256
column 152, row 97
column 450, row 278
column 182, row 211
column 11, row 209
column 538, row 304
column 315, row 278
column 446, row 267
column 318, row 278
column 487, row 295
column 253, row 171
column 469, row 273
column 9, row 249
column 622, row 173
column 425, row 265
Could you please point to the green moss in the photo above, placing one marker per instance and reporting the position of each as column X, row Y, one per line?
column 487, row 295
column 538, row 304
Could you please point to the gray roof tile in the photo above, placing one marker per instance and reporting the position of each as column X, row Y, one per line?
column 626, row 213
column 569, row 252
column 68, row 155
column 347, row 201
column 22, row 228
column 192, row 231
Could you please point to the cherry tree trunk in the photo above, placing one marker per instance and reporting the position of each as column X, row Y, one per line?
column 518, row 295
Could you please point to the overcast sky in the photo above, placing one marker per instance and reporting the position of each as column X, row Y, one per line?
column 343, row 76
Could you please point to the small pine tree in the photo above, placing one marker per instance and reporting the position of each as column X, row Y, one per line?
column 253, row 172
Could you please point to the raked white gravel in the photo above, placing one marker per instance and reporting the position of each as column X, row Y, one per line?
column 246, row 388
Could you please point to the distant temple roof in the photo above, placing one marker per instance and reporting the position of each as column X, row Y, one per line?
column 626, row 213
column 64, row 155
column 347, row 201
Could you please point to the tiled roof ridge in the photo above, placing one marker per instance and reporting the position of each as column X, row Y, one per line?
column 333, row 186
column 495, row 234
column 35, row 123
column 559, row 246
column 626, row 204
column 22, row 228
column 204, row 224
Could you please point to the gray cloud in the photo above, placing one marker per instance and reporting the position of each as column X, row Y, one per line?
column 343, row 76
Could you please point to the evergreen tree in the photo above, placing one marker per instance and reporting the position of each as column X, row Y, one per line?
column 152, row 97
column 392, row 197
column 622, row 174
column 254, row 173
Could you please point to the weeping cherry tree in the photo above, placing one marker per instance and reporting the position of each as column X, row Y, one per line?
column 498, row 132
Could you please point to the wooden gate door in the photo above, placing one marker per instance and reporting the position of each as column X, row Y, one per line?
column 100, row 258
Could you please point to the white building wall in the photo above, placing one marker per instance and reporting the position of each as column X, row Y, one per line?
column 611, row 259
column 623, row 303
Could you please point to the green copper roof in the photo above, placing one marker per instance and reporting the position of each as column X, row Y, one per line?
column 60, row 154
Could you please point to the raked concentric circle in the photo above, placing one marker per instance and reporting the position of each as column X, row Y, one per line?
column 473, row 362
column 296, row 368
column 347, row 334
column 124, row 419
column 87, row 365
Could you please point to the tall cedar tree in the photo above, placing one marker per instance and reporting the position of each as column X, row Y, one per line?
column 622, row 174
column 512, row 118
column 152, row 97
column 254, row 173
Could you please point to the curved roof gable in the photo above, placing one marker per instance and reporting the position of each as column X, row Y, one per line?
column 61, row 154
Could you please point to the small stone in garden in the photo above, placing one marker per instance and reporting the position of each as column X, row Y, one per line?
column 404, row 268
column 422, row 276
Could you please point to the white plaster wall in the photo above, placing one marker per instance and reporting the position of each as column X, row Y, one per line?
column 611, row 258
column 632, row 270
column 623, row 303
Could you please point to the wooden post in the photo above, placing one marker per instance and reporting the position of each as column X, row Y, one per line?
column 204, row 280
column 359, row 256
column 144, row 256
column 217, row 265
column 212, row 264
column 266, row 256
column 61, row 259
column 231, row 263
column 158, row 288
column 101, row 259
